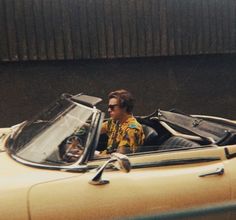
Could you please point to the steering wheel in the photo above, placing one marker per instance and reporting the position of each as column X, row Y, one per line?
column 73, row 149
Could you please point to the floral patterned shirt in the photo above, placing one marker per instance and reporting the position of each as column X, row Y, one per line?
column 128, row 135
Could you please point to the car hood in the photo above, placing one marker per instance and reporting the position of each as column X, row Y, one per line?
column 16, row 181
column 13, row 173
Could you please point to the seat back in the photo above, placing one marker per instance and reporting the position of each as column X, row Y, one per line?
column 151, row 136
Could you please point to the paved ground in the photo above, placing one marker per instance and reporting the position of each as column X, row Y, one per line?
column 197, row 84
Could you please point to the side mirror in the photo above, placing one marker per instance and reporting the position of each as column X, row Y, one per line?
column 123, row 164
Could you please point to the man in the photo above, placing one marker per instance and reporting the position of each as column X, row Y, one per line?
column 125, row 134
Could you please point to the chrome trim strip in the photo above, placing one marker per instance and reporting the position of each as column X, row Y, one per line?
column 174, row 162
column 214, row 117
column 55, row 167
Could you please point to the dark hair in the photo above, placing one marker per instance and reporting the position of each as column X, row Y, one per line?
column 124, row 98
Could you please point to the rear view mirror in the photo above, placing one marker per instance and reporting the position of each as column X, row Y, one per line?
column 123, row 164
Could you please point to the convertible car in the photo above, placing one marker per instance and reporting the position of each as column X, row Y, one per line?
column 51, row 166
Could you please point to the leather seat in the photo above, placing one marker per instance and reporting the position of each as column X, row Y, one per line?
column 151, row 136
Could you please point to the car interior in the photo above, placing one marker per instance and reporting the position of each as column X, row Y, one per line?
column 156, row 138
column 161, row 136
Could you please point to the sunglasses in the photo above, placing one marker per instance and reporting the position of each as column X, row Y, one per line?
column 112, row 106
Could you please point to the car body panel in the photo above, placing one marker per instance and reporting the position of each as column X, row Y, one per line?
column 15, row 183
column 230, row 167
column 142, row 191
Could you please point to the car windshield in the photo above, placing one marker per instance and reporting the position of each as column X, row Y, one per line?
column 57, row 135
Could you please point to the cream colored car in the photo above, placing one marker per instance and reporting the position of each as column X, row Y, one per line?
column 51, row 168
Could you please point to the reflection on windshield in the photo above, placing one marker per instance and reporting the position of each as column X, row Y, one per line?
column 62, row 129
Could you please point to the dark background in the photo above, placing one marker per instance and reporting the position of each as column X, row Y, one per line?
column 88, row 29
column 166, row 52
column 194, row 84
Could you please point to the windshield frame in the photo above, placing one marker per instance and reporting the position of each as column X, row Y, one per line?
column 77, row 166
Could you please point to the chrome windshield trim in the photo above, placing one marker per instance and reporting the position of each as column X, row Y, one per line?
column 71, row 167
column 92, row 130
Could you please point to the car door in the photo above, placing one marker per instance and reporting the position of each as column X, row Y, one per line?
column 230, row 164
column 158, row 182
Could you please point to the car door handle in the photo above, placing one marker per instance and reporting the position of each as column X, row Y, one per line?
column 217, row 171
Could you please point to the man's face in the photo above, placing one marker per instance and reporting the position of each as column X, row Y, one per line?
column 114, row 109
